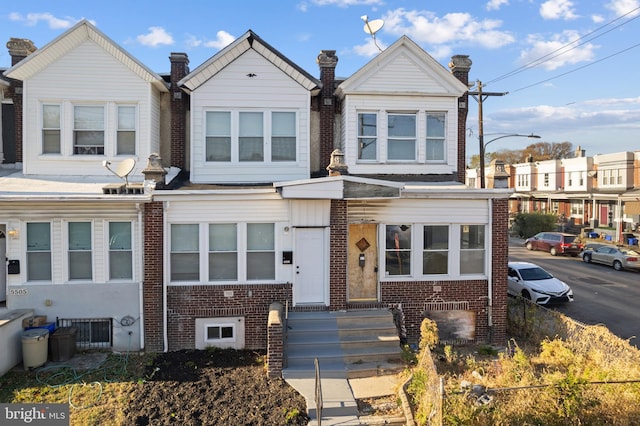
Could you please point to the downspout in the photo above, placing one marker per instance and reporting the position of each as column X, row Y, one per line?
column 141, row 281
column 490, row 273
column 165, row 334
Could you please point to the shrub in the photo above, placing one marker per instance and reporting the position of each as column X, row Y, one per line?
column 528, row 224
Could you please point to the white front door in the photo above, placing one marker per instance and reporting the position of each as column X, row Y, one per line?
column 3, row 259
column 310, row 284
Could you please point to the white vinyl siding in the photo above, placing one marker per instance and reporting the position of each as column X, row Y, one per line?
column 271, row 93
column 87, row 75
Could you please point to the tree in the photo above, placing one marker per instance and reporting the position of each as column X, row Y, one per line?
column 539, row 151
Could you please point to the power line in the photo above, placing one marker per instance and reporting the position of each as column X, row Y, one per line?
column 567, row 47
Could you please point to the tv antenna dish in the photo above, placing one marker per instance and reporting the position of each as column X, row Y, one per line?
column 372, row 27
column 123, row 170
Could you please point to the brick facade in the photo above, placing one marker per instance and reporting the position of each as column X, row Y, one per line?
column 327, row 60
column 338, row 255
column 179, row 104
column 500, row 244
column 185, row 303
column 153, row 276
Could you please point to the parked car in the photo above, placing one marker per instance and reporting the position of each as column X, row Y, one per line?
column 592, row 246
column 618, row 257
column 536, row 284
column 555, row 243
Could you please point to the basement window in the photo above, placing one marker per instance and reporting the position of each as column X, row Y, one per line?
column 219, row 333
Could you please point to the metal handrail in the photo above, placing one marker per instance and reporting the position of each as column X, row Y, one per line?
column 318, row 393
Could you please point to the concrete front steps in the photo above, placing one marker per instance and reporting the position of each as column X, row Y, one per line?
column 352, row 344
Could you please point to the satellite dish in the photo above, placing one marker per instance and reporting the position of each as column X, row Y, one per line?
column 372, row 27
column 123, row 170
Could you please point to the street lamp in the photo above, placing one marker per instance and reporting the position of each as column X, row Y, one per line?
column 483, row 146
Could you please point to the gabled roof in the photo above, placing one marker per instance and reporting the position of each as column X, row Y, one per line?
column 248, row 40
column 422, row 74
column 67, row 41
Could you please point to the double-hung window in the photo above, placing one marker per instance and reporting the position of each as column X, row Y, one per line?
column 401, row 137
column 435, row 255
column 472, row 249
column 80, row 251
column 283, row 136
column 223, row 252
column 88, row 130
column 38, row 251
column 120, row 251
column 367, row 136
column 126, row 134
column 51, row 129
column 435, row 136
column 185, row 252
column 398, row 250
column 218, row 136
column 261, row 255
column 251, row 136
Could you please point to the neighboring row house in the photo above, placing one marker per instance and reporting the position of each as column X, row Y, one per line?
column 253, row 182
column 602, row 191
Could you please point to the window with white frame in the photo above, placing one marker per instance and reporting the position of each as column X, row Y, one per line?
column 577, row 208
column 367, row 136
column 472, row 249
column 223, row 252
column 436, row 138
column 251, row 136
column 185, row 252
column 120, row 251
column 126, row 134
column 51, row 129
column 219, row 333
column 435, row 257
column 88, row 130
column 401, row 137
column 80, row 251
column 546, row 179
column 229, row 252
column 570, row 179
column 38, row 251
column 398, row 250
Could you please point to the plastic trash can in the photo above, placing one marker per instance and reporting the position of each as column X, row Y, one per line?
column 593, row 235
column 63, row 343
column 633, row 241
column 35, row 345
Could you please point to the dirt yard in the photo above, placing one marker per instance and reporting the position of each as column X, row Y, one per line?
column 214, row 387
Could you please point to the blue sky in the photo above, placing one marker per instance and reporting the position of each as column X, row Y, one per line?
column 570, row 67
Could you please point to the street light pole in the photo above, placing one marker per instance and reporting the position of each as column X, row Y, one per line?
column 483, row 147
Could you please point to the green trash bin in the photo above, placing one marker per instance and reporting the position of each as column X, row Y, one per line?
column 35, row 346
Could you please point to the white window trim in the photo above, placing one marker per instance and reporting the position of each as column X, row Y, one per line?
column 267, row 130
column 65, row 233
column 445, row 138
column 203, row 248
column 107, row 252
column 220, row 326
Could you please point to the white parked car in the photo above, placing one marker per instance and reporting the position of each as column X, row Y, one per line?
column 534, row 283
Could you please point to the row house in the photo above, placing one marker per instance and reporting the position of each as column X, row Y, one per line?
column 165, row 212
column 584, row 192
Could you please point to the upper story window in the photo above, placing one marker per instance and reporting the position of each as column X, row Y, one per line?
column 51, row 129
column 401, row 137
column 395, row 136
column 250, row 136
column 436, row 141
column 472, row 249
column 99, row 129
column 88, row 130
column 523, row 180
column 546, row 179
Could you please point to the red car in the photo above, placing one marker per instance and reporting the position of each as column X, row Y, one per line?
column 555, row 243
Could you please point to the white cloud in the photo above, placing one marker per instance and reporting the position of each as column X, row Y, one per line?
column 558, row 9
column 452, row 28
column 622, row 7
column 496, row 4
column 597, row 19
column 32, row 19
column 155, row 37
column 223, row 39
column 556, row 51
column 368, row 49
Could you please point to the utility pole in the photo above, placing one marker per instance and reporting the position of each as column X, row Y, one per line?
column 480, row 96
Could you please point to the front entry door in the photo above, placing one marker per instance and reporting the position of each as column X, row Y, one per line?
column 362, row 262
column 311, row 271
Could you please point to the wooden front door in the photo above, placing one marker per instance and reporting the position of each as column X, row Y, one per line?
column 362, row 262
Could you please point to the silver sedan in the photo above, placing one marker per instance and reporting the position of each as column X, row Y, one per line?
column 618, row 257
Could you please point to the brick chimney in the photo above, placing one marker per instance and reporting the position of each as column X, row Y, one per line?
column 179, row 104
column 19, row 48
column 460, row 66
column 327, row 60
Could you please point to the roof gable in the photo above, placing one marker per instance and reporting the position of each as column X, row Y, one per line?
column 247, row 41
column 420, row 72
column 69, row 40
